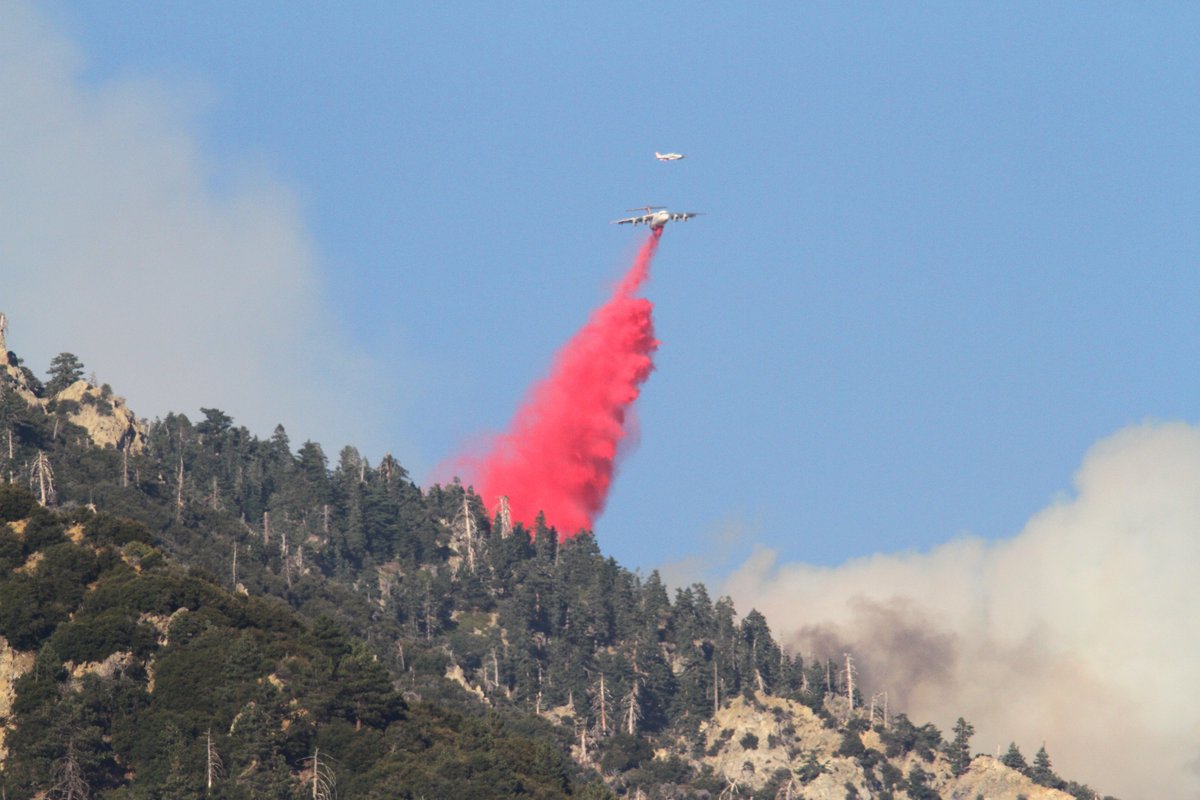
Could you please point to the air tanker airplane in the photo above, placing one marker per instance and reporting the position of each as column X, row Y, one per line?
column 668, row 156
column 656, row 217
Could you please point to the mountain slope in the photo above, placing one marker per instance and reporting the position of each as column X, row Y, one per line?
column 196, row 590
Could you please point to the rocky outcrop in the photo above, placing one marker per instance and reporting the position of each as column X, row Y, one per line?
column 750, row 741
column 105, row 417
column 105, row 670
column 988, row 778
column 15, row 380
column 455, row 674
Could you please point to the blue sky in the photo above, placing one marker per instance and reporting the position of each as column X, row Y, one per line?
column 928, row 364
column 947, row 248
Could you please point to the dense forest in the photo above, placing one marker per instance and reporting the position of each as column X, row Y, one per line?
column 198, row 612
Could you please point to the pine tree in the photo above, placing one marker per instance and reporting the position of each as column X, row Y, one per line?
column 918, row 787
column 216, row 422
column 1042, row 773
column 1014, row 760
column 959, row 750
column 65, row 369
column 366, row 695
column 760, row 654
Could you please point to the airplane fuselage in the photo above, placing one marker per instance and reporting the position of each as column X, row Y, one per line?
column 655, row 218
column 658, row 220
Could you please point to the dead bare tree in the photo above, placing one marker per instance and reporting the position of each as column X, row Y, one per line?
column 324, row 779
column 732, row 791
column 600, row 702
column 214, row 768
column 491, row 681
column 465, row 534
column 633, row 709
column 504, row 514
column 587, row 735
column 850, row 670
column 716, row 686
column 632, row 701
column 41, row 479
column 69, row 782
column 284, row 557
column 179, row 490
column 789, row 791
column 214, row 496
column 875, row 704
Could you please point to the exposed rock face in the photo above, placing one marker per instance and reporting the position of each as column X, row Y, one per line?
column 748, row 742
column 106, row 669
column 988, row 778
column 455, row 673
column 13, row 664
column 15, row 378
column 107, row 419
column 782, row 730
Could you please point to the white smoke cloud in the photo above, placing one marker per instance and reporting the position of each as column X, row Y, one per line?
column 1082, row 632
column 717, row 549
column 117, row 245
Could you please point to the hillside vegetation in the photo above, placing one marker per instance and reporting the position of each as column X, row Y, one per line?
column 187, row 610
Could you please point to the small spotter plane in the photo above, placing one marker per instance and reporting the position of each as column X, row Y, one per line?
column 656, row 217
column 668, row 156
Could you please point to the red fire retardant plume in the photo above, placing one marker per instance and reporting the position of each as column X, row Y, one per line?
column 559, row 454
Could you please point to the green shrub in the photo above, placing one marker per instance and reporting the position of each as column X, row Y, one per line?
column 12, row 551
column 65, row 407
column 44, row 530
column 624, row 752
column 95, row 638
column 109, row 529
column 16, row 502
column 28, row 613
column 852, row 746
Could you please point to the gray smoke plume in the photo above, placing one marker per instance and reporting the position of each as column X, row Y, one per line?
column 1082, row 632
column 181, row 281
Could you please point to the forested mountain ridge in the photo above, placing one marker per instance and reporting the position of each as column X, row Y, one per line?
column 192, row 611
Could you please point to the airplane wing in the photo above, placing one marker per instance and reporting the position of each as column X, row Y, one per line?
column 684, row 216
column 639, row 220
